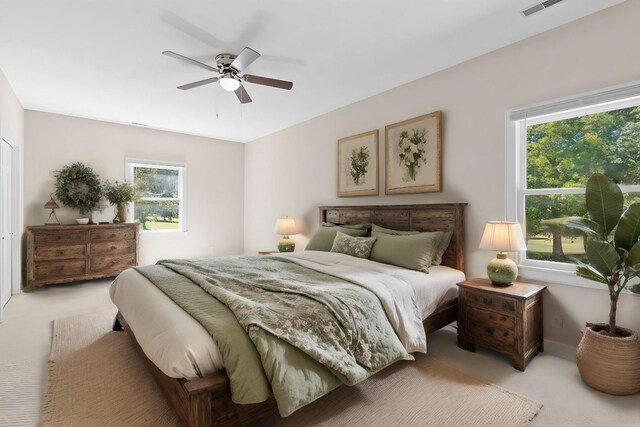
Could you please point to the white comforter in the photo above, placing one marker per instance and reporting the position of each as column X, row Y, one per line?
column 182, row 348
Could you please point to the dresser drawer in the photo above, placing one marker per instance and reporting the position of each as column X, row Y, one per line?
column 490, row 328
column 48, row 253
column 491, row 302
column 60, row 237
column 116, row 263
column 59, row 269
column 112, row 234
column 113, row 248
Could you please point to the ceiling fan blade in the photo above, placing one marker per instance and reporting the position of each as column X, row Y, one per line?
column 198, row 83
column 189, row 60
column 244, row 59
column 265, row 81
column 242, row 95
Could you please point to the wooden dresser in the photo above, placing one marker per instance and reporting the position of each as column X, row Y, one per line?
column 504, row 319
column 67, row 253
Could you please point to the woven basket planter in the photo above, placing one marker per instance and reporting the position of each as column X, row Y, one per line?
column 609, row 364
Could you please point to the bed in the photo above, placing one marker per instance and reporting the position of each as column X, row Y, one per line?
column 189, row 372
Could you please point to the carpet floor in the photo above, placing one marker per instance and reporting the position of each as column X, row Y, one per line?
column 97, row 379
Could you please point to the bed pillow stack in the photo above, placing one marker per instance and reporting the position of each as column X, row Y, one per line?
column 326, row 234
column 409, row 249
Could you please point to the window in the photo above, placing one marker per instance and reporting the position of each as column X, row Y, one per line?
column 160, row 189
column 558, row 147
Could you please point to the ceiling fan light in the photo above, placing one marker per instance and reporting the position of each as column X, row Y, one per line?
column 229, row 83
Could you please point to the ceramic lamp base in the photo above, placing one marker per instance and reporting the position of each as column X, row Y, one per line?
column 286, row 244
column 502, row 271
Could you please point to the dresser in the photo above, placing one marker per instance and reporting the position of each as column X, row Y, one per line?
column 504, row 319
column 68, row 253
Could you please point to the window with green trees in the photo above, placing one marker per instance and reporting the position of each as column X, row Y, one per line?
column 561, row 151
column 159, row 188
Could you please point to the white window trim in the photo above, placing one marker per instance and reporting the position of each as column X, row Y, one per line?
column 130, row 163
column 611, row 99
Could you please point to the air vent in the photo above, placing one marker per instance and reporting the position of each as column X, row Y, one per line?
column 539, row 6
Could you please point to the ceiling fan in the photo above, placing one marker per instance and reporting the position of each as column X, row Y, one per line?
column 228, row 67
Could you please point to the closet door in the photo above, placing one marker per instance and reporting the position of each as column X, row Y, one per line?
column 5, row 221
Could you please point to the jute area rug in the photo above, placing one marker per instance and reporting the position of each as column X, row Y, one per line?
column 97, row 379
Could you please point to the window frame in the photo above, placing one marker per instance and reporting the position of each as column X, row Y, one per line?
column 131, row 163
column 516, row 121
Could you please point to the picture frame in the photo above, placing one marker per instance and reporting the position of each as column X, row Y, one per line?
column 413, row 154
column 358, row 165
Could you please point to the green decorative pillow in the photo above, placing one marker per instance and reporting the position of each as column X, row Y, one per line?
column 324, row 237
column 442, row 247
column 413, row 251
column 355, row 246
column 352, row 226
column 378, row 229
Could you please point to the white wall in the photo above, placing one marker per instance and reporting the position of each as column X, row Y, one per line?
column 294, row 171
column 215, row 178
column 12, row 131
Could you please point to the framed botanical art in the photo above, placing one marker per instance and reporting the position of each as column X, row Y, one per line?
column 358, row 165
column 414, row 155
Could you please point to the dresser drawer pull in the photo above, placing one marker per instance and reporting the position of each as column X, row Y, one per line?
column 506, row 334
column 490, row 331
column 113, row 234
column 487, row 301
column 60, row 252
column 508, row 306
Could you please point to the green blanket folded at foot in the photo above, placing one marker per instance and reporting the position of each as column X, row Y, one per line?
column 304, row 331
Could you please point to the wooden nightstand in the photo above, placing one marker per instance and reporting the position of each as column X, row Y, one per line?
column 507, row 320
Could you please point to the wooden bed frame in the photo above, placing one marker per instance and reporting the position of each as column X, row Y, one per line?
column 207, row 401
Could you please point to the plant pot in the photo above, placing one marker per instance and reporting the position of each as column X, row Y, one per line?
column 609, row 364
column 122, row 213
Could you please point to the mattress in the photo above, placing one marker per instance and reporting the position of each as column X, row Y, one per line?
column 181, row 348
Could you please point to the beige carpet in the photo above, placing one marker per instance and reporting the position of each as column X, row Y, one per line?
column 97, row 379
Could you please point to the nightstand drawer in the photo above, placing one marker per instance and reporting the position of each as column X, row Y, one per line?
column 489, row 301
column 492, row 328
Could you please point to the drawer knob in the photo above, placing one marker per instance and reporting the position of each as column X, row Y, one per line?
column 487, row 301
column 508, row 306
column 60, row 252
column 113, row 234
column 113, row 248
column 490, row 331
column 506, row 334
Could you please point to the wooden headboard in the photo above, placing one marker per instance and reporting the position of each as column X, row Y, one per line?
column 428, row 217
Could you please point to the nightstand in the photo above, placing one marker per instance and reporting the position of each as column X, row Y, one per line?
column 504, row 319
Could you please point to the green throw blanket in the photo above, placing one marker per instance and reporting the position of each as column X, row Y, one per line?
column 303, row 331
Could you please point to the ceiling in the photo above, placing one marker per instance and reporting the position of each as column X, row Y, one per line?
column 102, row 59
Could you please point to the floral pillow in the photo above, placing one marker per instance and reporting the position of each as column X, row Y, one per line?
column 355, row 246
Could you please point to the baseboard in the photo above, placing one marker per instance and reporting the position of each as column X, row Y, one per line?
column 565, row 351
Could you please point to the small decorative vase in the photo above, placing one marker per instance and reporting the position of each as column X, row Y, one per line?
column 122, row 212
column 286, row 244
column 609, row 364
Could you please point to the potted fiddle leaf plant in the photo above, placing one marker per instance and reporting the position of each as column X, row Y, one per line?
column 119, row 194
column 608, row 355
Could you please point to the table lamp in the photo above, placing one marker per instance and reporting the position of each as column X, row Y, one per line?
column 502, row 236
column 285, row 227
column 53, row 218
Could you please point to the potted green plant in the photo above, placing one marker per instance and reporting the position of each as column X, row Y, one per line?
column 608, row 356
column 119, row 194
column 78, row 187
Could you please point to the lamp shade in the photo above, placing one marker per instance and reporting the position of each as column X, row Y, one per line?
column 286, row 226
column 503, row 236
column 51, row 204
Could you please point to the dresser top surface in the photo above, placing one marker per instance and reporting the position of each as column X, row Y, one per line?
column 72, row 227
